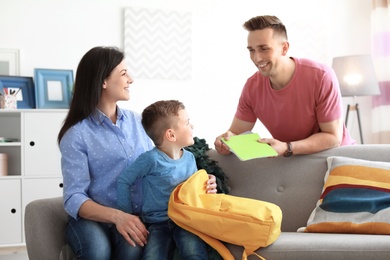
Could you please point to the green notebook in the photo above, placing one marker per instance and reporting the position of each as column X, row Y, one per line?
column 246, row 147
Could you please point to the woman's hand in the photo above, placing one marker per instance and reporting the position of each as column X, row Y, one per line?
column 131, row 228
column 211, row 184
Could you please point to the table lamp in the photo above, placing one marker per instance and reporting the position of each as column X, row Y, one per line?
column 356, row 75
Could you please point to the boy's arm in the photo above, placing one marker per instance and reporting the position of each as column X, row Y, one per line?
column 125, row 180
column 138, row 169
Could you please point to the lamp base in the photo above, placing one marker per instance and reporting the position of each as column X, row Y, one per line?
column 355, row 108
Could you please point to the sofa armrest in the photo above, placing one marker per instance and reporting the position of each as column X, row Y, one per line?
column 44, row 224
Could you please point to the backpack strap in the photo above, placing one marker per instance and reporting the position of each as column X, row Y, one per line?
column 247, row 253
column 174, row 213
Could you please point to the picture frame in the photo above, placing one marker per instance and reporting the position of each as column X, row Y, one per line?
column 23, row 87
column 9, row 62
column 53, row 87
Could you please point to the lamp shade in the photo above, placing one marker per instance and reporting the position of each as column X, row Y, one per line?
column 356, row 75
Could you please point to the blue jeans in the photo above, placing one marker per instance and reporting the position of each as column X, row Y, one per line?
column 164, row 236
column 93, row 240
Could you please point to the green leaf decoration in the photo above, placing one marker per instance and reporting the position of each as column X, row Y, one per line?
column 203, row 161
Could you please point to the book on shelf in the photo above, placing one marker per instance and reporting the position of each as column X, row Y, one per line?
column 246, row 147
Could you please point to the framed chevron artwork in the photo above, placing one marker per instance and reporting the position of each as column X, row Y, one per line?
column 157, row 43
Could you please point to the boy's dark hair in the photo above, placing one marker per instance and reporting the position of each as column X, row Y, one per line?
column 266, row 21
column 160, row 116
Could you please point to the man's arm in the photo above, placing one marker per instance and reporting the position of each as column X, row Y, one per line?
column 237, row 127
column 330, row 136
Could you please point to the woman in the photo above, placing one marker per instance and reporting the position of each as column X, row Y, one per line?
column 98, row 140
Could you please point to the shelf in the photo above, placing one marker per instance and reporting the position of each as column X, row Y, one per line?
column 10, row 143
column 16, row 111
column 33, row 165
column 10, row 177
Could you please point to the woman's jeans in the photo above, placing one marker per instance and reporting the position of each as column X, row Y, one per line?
column 165, row 236
column 93, row 240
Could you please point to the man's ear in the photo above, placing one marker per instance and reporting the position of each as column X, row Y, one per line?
column 286, row 46
column 170, row 135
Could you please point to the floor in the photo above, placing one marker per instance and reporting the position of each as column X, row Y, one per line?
column 13, row 253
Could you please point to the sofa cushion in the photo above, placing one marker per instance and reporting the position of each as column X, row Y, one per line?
column 321, row 246
column 355, row 198
column 44, row 226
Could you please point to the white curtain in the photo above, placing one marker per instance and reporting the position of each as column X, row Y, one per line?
column 380, row 31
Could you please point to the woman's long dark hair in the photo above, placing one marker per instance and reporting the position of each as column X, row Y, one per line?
column 94, row 67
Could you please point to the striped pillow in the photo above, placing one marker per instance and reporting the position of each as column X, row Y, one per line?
column 355, row 198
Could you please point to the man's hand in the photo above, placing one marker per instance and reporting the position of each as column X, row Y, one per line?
column 279, row 147
column 220, row 146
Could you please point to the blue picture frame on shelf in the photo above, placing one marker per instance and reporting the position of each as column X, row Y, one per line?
column 53, row 88
column 23, row 87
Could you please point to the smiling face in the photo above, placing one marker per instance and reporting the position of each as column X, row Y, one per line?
column 266, row 49
column 116, row 86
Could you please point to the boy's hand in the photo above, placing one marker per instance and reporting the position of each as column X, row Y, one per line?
column 211, row 184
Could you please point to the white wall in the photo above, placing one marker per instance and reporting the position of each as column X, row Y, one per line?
column 56, row 33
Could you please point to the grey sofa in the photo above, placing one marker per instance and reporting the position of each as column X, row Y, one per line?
column 293, row 183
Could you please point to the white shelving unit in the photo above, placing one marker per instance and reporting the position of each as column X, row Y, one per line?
column 34, row 166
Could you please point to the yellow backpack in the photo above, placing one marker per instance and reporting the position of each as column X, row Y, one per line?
column 220, row 217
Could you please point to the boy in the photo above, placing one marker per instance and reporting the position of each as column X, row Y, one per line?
column 161, row 170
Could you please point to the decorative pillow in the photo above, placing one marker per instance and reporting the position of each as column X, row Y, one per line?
column 355, row 198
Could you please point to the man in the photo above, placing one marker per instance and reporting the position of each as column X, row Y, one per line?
column 297, row 100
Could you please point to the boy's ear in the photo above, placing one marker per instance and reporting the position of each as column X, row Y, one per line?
column 170, row 135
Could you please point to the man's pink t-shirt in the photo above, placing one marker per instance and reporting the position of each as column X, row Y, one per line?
column 293, row 113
